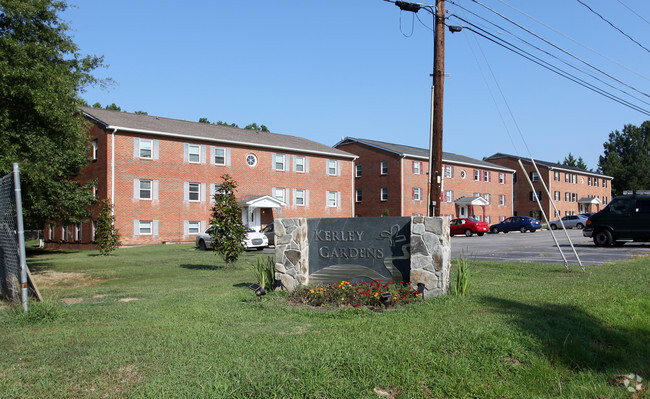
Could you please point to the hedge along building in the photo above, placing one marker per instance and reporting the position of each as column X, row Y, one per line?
column 392, row 179
column 161, row 174
column 573, row 190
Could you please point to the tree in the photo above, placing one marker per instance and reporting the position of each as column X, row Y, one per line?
column 227, row 231
column 107, row 236
column 627, row 158
column 41, row 76
column 576, row 163
column 204, row 120
column 253, row 126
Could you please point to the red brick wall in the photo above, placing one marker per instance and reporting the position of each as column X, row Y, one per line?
column 581, row 188
column 170, row 170
column 401, row 176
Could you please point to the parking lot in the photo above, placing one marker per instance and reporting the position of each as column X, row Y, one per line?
column 540, row 247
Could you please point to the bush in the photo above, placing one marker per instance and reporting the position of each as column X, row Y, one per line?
column 265, row 272
column 346, row 294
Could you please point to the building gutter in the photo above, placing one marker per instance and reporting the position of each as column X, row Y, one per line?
column 113, row 171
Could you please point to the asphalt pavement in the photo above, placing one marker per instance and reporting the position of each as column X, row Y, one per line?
column 540, row 247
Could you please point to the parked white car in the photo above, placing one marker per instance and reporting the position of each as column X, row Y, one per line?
column 571, row 221
column 253, row 239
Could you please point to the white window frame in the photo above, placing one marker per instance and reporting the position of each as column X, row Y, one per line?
column 190, row 153
column 51, row 232
column 142, row 224
column 197, row 191
column 77, row 232
column 383, row 194
column 282, row 197
column 383, row 168
column 574, row 179
column 193, row 227
column 556, row 195
column 417, row 194
column 279, row 159
column 141, row 144
column 449, row 196
column 357, row 171
column 556, row 176
column 300, row 164
column 332, row 167
column 502, row 178
column 93, row 230
column 216, row 155
column 417, row 167
column 358, row 195
column 487, row 176
column 487, row 197
column 477, row 175
column 534, row 176
column 150, row 189
column 502, row 200
column 300, row 195
column 448, row 171
column 332, row 199
column 95, row 149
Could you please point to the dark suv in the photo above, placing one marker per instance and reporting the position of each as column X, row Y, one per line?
column 626, row 218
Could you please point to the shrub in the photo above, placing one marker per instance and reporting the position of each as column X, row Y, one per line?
column 346, row 294
column 265, row 272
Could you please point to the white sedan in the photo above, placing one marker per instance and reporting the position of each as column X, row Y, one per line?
column 253, row 239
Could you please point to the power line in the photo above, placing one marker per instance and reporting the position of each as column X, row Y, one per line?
column 633, row 12
column 613, row 26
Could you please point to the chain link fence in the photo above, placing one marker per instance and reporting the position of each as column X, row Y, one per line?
column 9, row 258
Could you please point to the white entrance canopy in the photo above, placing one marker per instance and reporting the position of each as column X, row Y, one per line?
column 251, row 205
column 478, row 201
column 587, row 200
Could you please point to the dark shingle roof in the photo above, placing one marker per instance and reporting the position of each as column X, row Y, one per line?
column 550, row 165
column 423, row 153
column 154, row 125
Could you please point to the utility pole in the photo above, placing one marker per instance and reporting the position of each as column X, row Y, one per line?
column 437, row 96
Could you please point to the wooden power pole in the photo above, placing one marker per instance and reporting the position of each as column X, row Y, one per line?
column 437, row 96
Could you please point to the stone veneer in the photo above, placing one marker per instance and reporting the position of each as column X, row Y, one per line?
column 430, row 254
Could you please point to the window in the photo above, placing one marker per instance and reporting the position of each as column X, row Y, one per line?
column 77, row 232
column 514, row 177
column 51, row 232
column 567, row 196
column 604, row 183
column 219, row 157
column 145, row 189
column 357, row 195
column 574, row 179
column 574, row 197
column 502, row 200
column 332, row 199
column 486, row 175
column 332, row 167
column 476, row 195
column 595, row 182
column 534, row 176
column 300, row 164
column 417, row 167
column 94, row 190
column 145, row 149
column 279, row 162
column 384, row 194
column 417, row 194
column 64, row 233
column 300, row 197
column 449, row 171
column 556, row 195
column 488, row 219
column 535, row 196
column 145, row 227
column 279, row 194
column 589, row 181
column 604, row 199
column 477, row 175
column 193, row 227
column 463, row 174
column 449, row 196
column 358, row 171
column 556, row 176
column 193, row 191
column 567, row 178
column 251, row 160
column 502, row 178
column 194, row 153
column 384, row 167
column 95, row 150
column 487, row 197
column 93, row 230
column 502, row 218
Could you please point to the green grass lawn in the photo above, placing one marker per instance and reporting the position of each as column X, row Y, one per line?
column 172, row 321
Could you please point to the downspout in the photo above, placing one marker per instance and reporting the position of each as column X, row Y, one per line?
column 402, row 185
column 353, row 187
column 113, row 172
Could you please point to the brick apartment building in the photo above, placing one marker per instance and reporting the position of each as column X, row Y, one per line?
column 161, row 175
column 573, row 190
column 392, row 179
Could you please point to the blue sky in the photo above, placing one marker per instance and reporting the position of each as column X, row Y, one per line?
column 360, row 68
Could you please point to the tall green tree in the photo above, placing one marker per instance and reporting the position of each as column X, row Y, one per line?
column 570, row 160
column 41, row 76
column 627, row 158
column 227, row 230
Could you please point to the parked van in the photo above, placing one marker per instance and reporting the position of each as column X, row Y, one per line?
column 626, row 218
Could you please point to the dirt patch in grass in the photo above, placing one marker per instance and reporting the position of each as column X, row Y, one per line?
column 128, row 299
column 50, row 278
column 71, row 301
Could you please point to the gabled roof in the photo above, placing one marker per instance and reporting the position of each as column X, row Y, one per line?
column 423, row 153
column 550, row 165
column 159, row 126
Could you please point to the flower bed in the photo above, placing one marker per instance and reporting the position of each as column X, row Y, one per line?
column 362, row 294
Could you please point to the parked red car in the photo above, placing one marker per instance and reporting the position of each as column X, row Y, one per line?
column 468, row 226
